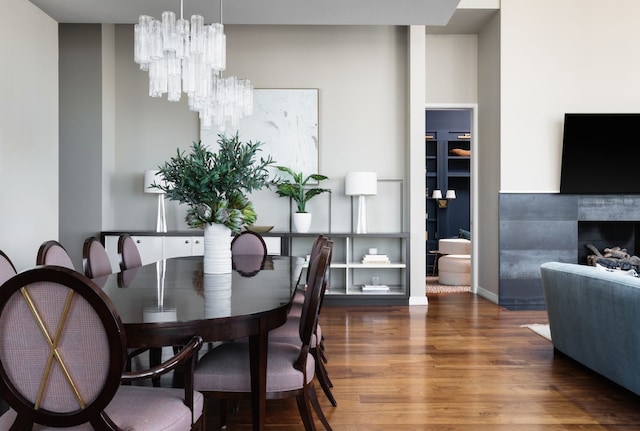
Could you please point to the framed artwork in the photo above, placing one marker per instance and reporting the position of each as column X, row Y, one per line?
column 286, row 122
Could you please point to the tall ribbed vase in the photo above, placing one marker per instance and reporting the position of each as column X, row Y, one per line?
column 217, row 249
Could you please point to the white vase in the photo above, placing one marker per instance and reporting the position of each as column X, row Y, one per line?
column 217, row 249
column 301, row 222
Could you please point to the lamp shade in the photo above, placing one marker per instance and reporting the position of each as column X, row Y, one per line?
column 150, row 177
column 451, row 194
column 437, row 194
column 361, row 184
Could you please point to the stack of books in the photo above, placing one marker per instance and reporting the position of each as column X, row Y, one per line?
column 375, row 288
column 375, row 258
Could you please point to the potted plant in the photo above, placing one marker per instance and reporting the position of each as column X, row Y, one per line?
column 298, row 189
column 214, row 185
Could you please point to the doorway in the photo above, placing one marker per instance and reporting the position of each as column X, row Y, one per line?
column 450, row 143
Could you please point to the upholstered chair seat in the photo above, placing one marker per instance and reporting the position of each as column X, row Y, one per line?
column 226, row 369
column 131, row 408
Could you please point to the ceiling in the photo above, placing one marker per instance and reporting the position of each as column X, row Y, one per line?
column 285, row 12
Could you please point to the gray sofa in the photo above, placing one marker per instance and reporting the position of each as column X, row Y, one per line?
column 594, row 316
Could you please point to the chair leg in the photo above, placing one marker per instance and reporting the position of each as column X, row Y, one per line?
column 313, row 398
column 322, row 355
column 223, row 413
column 305, row 412
column 323, row 378
column 155, row 358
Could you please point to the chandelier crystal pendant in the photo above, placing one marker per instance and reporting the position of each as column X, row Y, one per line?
column 189, row 57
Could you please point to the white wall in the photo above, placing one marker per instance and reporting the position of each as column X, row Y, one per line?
column 557, row 57
column 361, row 76
column 452, row 68
column 28, row 131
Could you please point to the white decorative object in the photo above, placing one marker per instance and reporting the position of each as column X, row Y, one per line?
column 151, row 177
column 286, row 122
column 189, row 57
column 361, row 184
column 301, row 222
column 217, row 249
column 217, row 295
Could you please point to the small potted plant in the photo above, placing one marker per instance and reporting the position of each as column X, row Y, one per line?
column 298, row 189
column 215, row 185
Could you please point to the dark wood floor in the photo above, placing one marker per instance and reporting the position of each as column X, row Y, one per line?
column 462, row 363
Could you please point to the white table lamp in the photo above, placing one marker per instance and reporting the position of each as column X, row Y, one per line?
column 151, row 177
column 361, row 184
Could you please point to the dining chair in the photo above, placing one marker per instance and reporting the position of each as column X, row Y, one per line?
column 7, row 270
column 62, row 353
column 53, row 253
column 128, row 252
column 248, row 253
column 288, row 332
column 223, row 372
column 95, row 259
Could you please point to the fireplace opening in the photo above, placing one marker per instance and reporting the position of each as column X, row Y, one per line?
column 607, row 234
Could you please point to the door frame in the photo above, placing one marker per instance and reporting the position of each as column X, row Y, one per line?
column 473, row 107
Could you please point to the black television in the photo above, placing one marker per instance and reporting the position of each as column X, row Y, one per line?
column 600, row 154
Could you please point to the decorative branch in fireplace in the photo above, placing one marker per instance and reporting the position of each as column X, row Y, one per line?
column 613, row 258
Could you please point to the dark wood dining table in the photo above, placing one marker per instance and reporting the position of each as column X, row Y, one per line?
column 167, row 302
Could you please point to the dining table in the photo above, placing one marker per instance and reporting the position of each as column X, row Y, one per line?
column 167, row 302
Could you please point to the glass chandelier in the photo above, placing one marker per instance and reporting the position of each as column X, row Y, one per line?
column 189, row 57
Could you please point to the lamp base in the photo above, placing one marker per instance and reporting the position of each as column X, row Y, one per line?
column 161, row 221
column 361, row 227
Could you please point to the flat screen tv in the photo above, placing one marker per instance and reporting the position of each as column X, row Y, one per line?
column 600, row 154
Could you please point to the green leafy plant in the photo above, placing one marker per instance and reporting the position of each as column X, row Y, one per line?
column 297, row 188
column 215, row 185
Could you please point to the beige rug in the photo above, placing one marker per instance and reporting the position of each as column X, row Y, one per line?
column 434, row 287
column 541, row 329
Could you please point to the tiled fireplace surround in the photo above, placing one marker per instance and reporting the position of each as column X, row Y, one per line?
column 537, row 228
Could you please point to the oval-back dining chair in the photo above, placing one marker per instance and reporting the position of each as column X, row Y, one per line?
column 223, row 372
column 128, row 252
column 248, row 253
column 62, row 350
column 7, row 270
column 95, row 259
column 53, row 253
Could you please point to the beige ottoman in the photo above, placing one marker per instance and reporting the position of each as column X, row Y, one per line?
column 455, row 269
column 454, row 246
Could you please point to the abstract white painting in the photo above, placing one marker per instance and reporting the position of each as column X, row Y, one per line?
column 286, row 122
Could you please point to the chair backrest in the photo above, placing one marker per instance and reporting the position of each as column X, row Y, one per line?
column 53, row 253
column 95, row 259
column 311, row 304
column 62, row 347
column 248, row 253
column 317, row 245
column 248, row 243
column 128, row 252
column 7, row 270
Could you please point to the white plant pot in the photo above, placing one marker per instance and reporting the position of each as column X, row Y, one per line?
column 217, row 249
column 301, row 222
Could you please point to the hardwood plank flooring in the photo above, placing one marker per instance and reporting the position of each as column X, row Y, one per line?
column 462, row 363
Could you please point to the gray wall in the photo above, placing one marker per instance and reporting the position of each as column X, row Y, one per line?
column 80, row 135
column 360, row 73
